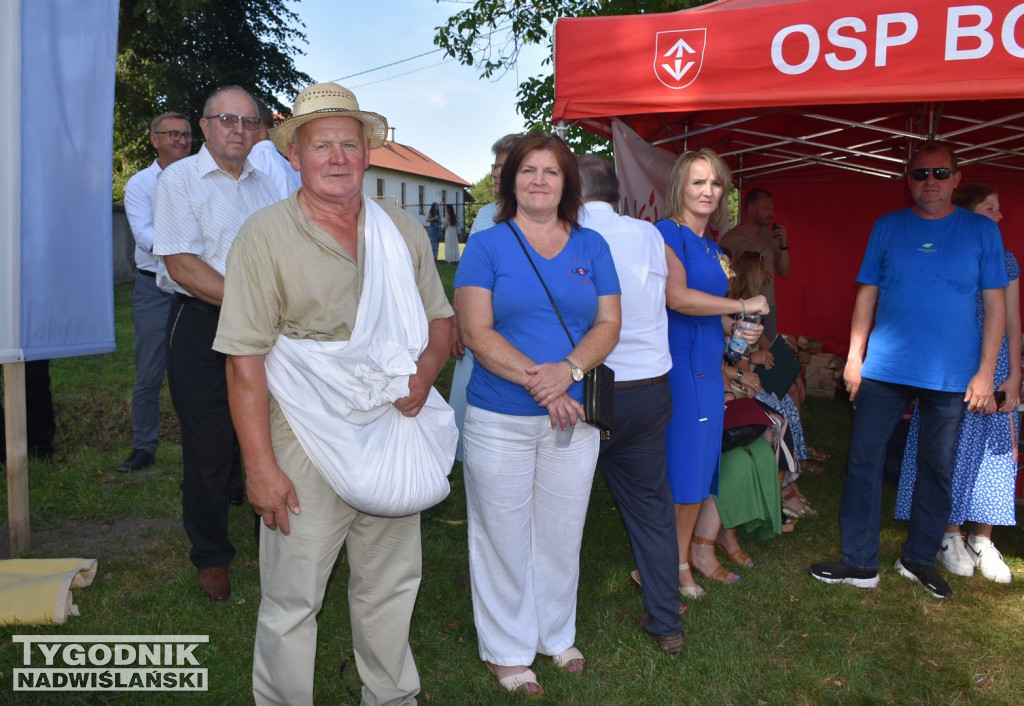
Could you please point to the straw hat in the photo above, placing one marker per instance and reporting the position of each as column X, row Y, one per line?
column 327, row 100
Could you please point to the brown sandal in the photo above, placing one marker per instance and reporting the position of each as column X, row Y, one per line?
column 738, row 557
column 721, row 574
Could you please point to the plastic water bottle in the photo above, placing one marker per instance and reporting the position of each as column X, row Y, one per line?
column 738, row 346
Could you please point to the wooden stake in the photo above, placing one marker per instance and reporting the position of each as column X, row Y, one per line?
column 17, row 457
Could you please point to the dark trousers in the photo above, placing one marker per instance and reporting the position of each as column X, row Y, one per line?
column 880, row 406
column 633, row 463
column 210, row 451
column 40, row 424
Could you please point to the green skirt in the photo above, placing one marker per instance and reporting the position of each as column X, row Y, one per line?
column 748, row 497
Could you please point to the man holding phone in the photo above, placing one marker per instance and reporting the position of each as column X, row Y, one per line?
column 758, row 233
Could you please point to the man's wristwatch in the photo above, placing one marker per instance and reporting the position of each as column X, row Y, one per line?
column 783, row 247
column 577, row 372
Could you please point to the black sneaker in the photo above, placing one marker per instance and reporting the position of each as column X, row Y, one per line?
column 139, row 459
column 839, row 572
column 927, row 576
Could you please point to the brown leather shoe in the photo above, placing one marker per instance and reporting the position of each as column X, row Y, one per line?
column 670, row 644
column 216, row 584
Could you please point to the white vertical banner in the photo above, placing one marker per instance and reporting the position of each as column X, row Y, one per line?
column 643, row 174
column 10, row 68
column 65, row 105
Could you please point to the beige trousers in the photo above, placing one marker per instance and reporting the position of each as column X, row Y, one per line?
column 385, row 565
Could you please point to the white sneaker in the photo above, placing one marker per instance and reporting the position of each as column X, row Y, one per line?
column 988, row 560
column 954, row 556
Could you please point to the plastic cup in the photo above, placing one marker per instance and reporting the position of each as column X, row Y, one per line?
column 563, row 437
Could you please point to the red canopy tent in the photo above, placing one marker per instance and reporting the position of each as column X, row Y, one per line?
column 819, row 102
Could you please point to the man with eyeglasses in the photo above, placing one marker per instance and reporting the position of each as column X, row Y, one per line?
column 171, row 137
column 923, row 271
column 199, row 205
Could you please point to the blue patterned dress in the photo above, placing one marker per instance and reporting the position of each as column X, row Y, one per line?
column 985, row 465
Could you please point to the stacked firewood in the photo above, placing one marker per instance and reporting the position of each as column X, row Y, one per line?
column 823, row 372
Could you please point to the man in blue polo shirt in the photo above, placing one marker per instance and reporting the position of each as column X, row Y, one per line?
column 923, row 269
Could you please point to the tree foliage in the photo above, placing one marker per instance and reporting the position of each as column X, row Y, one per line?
column 490, row 34
column 483, row 194
column 173, row 53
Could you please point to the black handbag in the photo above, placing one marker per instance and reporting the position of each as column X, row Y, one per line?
column 598, row 382
column 745, row 421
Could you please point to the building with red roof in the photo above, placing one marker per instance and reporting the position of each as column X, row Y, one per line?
column 412, row 180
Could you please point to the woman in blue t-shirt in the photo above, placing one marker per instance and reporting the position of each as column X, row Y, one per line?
column 528, row 457
column 699, row 313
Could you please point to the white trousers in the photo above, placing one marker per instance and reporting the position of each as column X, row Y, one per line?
column 526, row 501
column 385, row 565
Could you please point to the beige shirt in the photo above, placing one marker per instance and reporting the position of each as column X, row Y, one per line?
column 287, row 276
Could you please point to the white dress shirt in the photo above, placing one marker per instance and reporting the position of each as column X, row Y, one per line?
column 639, row 254
column 198, row 208
column 138, row 206
column 265, row 157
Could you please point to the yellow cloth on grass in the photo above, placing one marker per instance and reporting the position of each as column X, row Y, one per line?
column 37, row 591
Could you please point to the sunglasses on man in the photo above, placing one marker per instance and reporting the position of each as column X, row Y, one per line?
column 940, row 173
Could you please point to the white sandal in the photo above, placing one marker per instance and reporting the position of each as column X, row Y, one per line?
column 517, row 683
column 564, row 658
column 690, row 591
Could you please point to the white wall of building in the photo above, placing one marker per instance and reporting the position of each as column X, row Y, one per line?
column 414, row 193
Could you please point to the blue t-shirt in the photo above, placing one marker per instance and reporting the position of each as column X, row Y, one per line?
column 928, row 273
column 577, row 276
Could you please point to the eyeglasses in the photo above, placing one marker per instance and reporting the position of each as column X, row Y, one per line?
column 755, row 253
column 496, row 167
column 940, row 173
column 229, row 121
column 175, row 135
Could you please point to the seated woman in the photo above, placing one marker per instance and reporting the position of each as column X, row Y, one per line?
column 529, row 458
column 750, row 274
column 748, row 497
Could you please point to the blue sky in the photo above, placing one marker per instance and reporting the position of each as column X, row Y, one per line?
column 437, row 106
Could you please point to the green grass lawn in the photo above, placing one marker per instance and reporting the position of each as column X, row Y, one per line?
column 776, row 637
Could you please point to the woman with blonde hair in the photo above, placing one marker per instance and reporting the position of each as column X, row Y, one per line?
column 699, row 313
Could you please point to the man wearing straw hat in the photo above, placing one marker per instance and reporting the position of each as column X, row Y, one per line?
column 298, row 274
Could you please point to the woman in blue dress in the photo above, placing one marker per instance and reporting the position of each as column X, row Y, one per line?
column 985, row 465
column 699, row 313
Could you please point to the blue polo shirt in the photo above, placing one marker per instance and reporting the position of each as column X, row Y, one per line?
column 929, row 273
column 577, row 276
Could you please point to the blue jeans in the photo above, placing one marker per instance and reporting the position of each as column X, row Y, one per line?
column 633, row 463
column 150, row 306
column 434, row 233
column 880, row 405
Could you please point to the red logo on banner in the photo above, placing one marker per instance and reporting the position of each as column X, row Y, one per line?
column 678, row 56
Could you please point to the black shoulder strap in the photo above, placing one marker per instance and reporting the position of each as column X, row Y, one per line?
column 546, row 290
